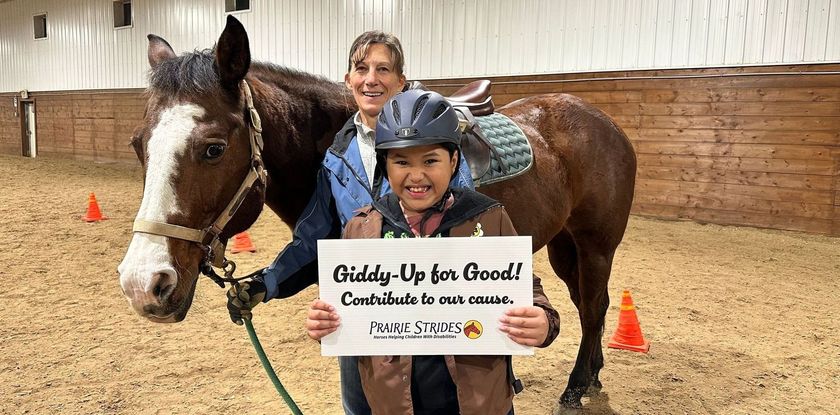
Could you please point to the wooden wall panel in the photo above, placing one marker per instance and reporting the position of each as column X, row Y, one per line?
column 835, row 228
column 10, row 141
column 756, row 146
column 83, row 125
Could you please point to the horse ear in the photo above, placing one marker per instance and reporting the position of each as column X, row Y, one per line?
column 159, row 50
column 233, row 55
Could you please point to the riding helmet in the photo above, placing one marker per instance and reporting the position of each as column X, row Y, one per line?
column 417, row 118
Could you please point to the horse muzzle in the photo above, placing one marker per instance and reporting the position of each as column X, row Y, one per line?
column 150, row 295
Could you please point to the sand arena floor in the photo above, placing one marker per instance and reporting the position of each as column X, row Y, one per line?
column 740, row 320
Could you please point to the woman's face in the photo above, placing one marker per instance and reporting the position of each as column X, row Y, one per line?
column 373, row 80
column 419, row 176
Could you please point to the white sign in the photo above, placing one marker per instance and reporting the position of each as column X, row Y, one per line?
column 424, row 296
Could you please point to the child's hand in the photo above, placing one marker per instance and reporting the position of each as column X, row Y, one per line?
column 527, row 326
column 321, row 320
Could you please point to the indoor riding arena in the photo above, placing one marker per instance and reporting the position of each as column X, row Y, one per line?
column 731, row 253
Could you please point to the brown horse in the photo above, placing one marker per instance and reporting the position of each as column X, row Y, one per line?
column 194, row 145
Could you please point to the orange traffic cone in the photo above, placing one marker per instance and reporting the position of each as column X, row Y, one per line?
column 628, row 335
column 93, row 212
column 242, row 242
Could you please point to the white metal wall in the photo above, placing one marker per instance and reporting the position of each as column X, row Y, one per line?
column 442, row 38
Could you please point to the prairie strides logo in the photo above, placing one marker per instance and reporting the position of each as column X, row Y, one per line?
column 473, row 329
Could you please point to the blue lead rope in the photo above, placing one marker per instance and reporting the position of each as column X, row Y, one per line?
column 269, row 370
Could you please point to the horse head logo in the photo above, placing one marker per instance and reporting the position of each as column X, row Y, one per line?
column 473, row 329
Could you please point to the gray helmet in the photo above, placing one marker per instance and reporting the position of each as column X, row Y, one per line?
column 416, row 118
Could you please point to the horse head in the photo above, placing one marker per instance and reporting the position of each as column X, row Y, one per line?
column 195, row 144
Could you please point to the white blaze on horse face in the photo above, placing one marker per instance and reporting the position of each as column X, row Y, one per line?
column 147, row 254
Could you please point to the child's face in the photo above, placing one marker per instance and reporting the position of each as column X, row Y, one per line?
column 419, row 176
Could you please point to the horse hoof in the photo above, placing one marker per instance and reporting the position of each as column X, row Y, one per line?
column 570, row 400
column 594, row 388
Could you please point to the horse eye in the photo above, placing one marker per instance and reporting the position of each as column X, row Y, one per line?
column 214, row 151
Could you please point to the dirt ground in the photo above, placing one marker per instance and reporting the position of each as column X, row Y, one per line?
column 741, row 320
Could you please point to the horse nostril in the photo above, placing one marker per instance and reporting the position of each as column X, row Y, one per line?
column 166, row 292
column 163, row 284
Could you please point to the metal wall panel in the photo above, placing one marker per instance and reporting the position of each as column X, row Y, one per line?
column 681, row 34
column 774, row 31
column 795, row 26
column 832, row 47
column 664, row 32
column 816, row 35
column 647, row 33
column 600, row 34
column 441, row 38
column 718, row 23
column 736, row 32
column 617, row 33
column 755, row 28
column 632, row 34
column 698, row 40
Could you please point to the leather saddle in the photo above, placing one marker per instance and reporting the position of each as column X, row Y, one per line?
column 474, row 96
column 472, row 100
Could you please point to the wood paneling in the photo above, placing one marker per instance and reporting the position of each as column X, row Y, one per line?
column 756, row 146
column 807, row 108
column 826, row 168
column 693, row 174
column 10, row 140
column 772, row 151
column 737, row 122
column 734, row 217
column 829, row 138
column 85, row 125
column 771, row 94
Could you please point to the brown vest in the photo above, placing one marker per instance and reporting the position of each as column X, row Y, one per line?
column 482, row 382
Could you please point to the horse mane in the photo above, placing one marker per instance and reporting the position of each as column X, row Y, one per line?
column 191, row 74
column 194, row 74
column 330, row 94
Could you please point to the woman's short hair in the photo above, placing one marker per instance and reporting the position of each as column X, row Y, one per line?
column 359, row 49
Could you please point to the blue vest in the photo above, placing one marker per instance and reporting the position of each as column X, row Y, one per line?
column 349, row 182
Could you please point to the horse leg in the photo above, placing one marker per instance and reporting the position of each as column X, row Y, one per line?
column 597, row 361
column 562, row 255
column 593, row 275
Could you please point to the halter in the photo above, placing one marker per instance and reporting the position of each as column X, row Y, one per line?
column 208, row 238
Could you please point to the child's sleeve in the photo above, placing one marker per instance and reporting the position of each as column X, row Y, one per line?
column 541, row 301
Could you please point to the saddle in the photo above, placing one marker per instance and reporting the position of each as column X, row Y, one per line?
column 474, row 96
column 472, row 100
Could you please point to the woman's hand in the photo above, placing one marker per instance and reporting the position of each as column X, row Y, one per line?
column 527, row 326
column 242, row 298
column 321, row 320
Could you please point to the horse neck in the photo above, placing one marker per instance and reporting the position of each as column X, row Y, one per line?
column 300, row 115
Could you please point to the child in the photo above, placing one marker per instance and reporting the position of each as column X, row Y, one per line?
column 417, row 142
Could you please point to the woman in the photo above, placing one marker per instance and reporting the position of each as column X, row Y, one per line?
column 417, row 140
column 345, row 182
